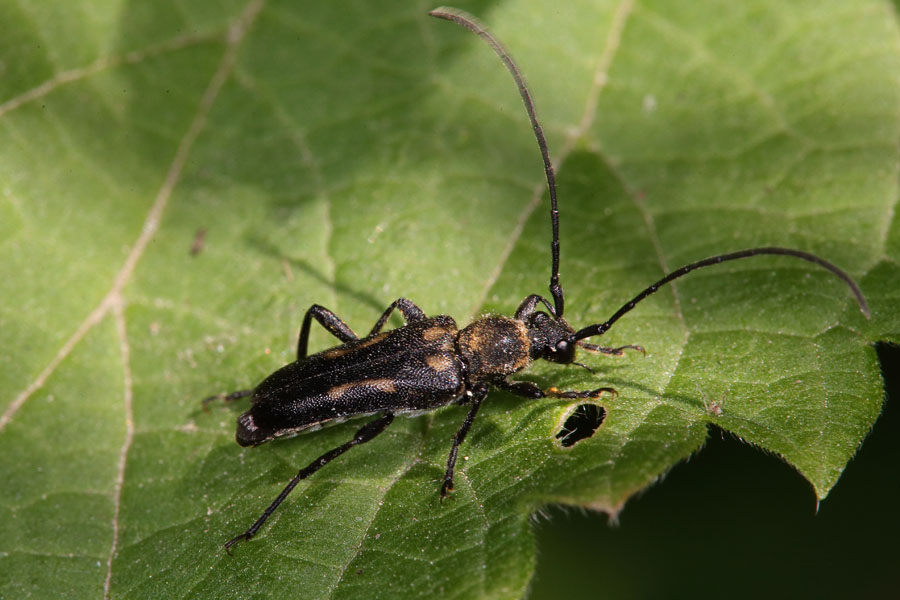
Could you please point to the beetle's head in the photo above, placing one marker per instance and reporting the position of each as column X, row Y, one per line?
column 551, row 338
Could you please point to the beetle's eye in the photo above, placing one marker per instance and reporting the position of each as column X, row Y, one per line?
column 563, row 352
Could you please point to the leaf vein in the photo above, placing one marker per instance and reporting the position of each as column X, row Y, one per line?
column 127, row 400
column 154, row 215
column 102, row 64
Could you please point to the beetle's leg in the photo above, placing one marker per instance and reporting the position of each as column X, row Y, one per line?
column 556, row 393
column 611, row 351
column 410, row 311
column 478, row 396
column 227, row 397
column 327, row 319
column 529, row 304
column 526, row 389
column 366, row 433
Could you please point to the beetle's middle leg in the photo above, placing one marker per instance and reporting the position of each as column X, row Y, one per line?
column 478, row 396
column 366, row 433
column 410, row 311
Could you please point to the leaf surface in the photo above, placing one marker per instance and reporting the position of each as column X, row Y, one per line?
column 346, row 154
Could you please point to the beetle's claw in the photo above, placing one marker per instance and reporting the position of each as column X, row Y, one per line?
column 446, row 488
column 238, row 538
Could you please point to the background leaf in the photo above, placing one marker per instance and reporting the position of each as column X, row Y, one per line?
column 349, row 154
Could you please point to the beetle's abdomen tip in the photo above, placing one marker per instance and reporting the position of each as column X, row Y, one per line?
column 248, row 434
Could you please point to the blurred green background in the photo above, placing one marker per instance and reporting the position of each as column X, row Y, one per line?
column 736, row 518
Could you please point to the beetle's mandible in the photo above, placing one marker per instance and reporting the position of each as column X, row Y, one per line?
column 429, row 362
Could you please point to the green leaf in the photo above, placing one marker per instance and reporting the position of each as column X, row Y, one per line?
column 348, row 154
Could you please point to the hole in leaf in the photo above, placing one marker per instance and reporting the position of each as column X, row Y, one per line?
column 581, row 424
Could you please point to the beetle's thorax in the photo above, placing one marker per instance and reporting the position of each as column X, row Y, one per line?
column 494, row 346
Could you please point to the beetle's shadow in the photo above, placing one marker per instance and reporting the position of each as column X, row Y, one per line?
column 266, row 248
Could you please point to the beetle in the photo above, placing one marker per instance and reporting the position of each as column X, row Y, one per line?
column 429, row 363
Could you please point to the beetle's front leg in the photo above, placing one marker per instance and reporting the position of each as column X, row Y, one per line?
column 477, row 398
column 526, row 389
column 618, row 351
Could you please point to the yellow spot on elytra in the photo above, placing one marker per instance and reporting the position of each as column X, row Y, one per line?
column 382, row 385
column 439, row 362
column 434, row 333
column 353, row 346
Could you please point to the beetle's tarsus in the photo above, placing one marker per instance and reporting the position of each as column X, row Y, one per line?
column 446, row 488
column 238, row 538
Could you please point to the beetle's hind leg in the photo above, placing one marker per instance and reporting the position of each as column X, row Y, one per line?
column 366, row 433
column 411, row 313
column 327, row 319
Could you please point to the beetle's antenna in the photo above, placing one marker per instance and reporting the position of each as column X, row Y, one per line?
column 601, row 328
column 471, row 23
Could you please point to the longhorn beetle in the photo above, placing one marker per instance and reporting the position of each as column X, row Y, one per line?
column 428, row 362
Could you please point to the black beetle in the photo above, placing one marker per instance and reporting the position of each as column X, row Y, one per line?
column 429, row 363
